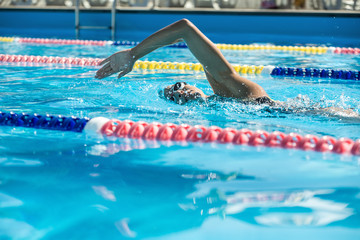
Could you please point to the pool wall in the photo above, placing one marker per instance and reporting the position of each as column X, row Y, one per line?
column 340, row 29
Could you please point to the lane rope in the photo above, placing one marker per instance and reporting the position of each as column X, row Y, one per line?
column 155, row 65
column 222, row 46
column 169, row 132
column 43, row 121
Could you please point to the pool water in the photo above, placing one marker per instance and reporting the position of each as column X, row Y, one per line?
column 62, row 185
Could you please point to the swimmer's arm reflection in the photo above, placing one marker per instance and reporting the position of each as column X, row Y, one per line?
column 224, row 80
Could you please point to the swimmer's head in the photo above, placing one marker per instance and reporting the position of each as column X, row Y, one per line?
column 181, row 92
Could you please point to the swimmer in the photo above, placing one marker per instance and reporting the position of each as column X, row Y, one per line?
column 222, row 77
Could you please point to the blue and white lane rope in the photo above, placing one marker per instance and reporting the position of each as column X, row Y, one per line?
column 170, row 132
column 315, row 72
column 130, row 43
column 43, row 121
column 153, row 65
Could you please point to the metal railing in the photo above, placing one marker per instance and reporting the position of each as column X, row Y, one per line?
column 112, row 27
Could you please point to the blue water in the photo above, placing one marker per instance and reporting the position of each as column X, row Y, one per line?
column 56, row 185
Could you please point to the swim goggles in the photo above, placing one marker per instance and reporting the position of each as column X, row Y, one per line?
column 177, row 86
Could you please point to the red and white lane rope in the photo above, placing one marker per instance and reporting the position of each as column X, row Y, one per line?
column 170, row 132
column 50, row 60
column 62, row 41
column 343, row 50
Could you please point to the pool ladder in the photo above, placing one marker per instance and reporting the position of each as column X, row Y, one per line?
column 78, row 26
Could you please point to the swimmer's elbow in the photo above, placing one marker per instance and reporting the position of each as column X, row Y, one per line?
column 185, row 23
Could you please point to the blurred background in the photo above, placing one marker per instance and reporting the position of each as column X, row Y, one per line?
column 293, row 5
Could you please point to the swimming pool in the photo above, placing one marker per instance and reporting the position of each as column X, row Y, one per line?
column 58, row 185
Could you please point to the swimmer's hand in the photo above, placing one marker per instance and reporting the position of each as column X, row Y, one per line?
column 122, row 62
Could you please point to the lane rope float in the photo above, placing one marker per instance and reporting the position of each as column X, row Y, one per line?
column 43, row 121
column 158, row 65
column 169, row 132
column 222, row 46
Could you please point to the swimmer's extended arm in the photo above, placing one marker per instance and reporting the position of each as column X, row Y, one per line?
column 221, row 75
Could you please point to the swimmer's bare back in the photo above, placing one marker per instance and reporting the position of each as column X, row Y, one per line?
column 223, row 78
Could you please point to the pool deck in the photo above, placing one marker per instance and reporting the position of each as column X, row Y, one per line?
column 227, row 25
